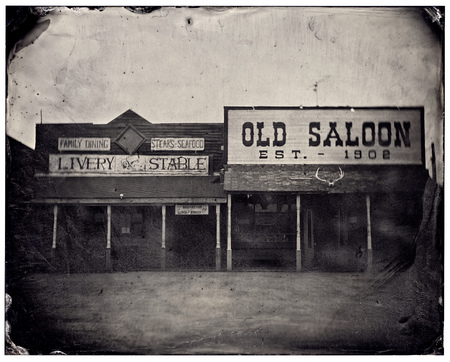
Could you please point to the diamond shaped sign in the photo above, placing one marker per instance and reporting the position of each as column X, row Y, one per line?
column 130, row 139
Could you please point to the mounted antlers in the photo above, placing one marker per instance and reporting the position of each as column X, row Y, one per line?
column 330, row 183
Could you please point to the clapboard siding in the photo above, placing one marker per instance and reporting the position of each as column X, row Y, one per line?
column 47, row 137
column 301, row 179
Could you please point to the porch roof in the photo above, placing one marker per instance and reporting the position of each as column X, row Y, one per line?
column 139, row 189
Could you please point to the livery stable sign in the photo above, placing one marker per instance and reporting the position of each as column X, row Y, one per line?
column 356, row 136
column 131, row 164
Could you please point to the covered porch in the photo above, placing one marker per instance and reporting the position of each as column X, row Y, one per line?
column 133, row 223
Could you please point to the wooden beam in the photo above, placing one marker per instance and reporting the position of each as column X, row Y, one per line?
column 218, row 266
column 369, row 236
column 299, row 249
column 141, row 201
column 55, row 225
column 108, row 238
column 229, row 252
column 108, row 227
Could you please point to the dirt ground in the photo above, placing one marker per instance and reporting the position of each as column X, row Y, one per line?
column 212, row 313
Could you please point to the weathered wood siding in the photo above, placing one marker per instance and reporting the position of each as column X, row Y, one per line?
column 301, row 178
column 47, row 137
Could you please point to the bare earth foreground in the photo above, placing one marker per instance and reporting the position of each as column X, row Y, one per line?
column 212, row 313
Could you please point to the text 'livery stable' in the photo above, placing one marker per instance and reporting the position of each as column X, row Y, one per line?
column 324, row 136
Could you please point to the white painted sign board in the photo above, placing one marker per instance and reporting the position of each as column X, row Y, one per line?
column 83, row 144
column 324, row 136
column 177, row 144
column 128, row 164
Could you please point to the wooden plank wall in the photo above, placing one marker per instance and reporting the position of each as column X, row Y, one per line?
column 47, row 138
column 301, row 178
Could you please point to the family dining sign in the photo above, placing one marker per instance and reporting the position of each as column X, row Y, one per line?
column 370, row 136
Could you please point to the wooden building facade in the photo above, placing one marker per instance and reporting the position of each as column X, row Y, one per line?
column 327, row 189
column 300, row 189
column 130, row 195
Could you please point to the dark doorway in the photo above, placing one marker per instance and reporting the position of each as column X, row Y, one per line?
column 335, row 232
column 263, row 231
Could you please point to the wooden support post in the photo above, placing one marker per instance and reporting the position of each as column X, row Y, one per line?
column 369, row 236
column 55, row 229
column 108, row 227
column 163, row 238
column 218, row 266
column 229, row 252
column 299, row 249
column 108, row 238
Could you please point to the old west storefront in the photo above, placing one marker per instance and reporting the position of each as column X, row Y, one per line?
column 129, row 195
column 329, row 189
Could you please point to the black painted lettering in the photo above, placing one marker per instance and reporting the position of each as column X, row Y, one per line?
column 403, row 132
column 349, row 141
column 81, row 164
column 172, row 164
column 180, row 164
column 368, row 126
column 384, row 141
column 189, row 163
column 260, row 142
column 164, row 163
column 333, row 134
column 296, row 152
column 314, row 142
column 263, row 154
column 201, row 164
column 99, row 163
column 154, row 164
column 90, row 163
column 247, row 129
column 276, row 127
column 279, row 154
column 110, row 162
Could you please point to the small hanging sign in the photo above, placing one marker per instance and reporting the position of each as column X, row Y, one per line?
column 191, row 209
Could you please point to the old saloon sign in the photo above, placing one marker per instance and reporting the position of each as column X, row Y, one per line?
column 324, row 136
